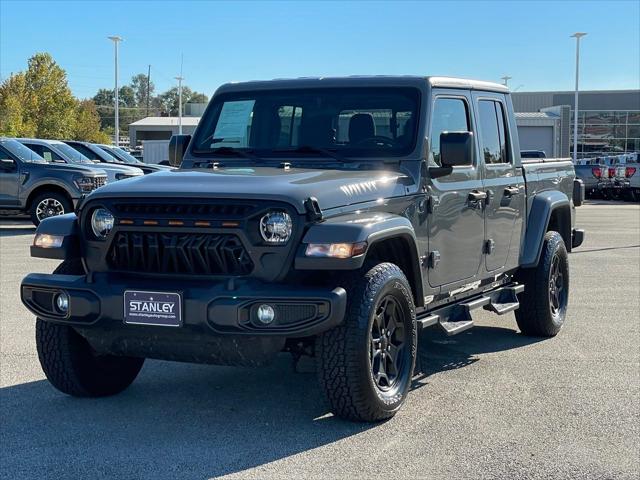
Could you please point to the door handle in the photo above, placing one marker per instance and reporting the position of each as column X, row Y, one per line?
column 476, row 195
column 511, row 191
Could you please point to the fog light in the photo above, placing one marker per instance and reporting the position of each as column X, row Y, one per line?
column 62, row 302
column 266, row 314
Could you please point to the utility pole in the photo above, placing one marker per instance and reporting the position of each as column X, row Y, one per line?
column 506, row 79
column 116, row 39
column 148, row 86
column 577, row 36
column 180, row 78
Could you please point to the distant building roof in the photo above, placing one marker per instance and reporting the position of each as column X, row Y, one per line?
column 165, row 121
column 536, row 115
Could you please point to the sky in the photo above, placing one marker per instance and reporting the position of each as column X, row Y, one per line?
column 220, row 42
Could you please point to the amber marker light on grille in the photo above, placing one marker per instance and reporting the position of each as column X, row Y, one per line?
column 176, row 223
column 336, row 250
column 44, row 240
column 125, row 222
column 150, row 222
column 230, row 224
column 202, row 224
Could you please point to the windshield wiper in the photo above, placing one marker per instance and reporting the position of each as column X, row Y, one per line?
column 311, row 149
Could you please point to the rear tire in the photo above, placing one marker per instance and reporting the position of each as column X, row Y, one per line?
column 365, row 365
column 543, row 304
column 49, row 204
column 72, row 366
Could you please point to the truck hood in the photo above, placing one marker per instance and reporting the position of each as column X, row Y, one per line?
column 332, row 188
column 70, row 168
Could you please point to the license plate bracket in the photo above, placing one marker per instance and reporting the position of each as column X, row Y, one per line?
column 162, row 309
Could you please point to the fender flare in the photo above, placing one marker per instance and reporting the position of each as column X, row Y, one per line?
column 65, row 226
column 373, row 227
column 543, row 205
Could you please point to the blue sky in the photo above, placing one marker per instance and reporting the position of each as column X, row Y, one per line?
column 260, row 40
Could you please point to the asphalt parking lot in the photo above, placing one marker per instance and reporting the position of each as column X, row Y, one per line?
column 492, row 403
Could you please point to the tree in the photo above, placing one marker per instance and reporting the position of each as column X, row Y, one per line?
column 169, row 102
column 39, row 103
column 87, row 125
column 14, row 121
column 139, row 85
column 49, row 103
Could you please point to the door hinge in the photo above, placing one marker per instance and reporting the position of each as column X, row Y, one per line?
column 434, row 259
column 489, row 246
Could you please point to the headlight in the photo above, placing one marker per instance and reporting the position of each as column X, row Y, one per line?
column 276, row 227
column 123, row 176
column 84, row 184
column 101, row 222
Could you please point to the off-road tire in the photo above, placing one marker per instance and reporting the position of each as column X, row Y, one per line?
column 72, row 366
column 66, row 203
column 343, row 353
column 536, row 317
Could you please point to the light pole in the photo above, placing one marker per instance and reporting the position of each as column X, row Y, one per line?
column 506, row 79
column 180, row 78
column 577, row 36
column 116, row 39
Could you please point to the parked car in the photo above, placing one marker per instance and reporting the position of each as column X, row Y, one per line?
column 29, row 184
column 129, row 159
column 593, row 174
column 58, row 152
column 326, row 217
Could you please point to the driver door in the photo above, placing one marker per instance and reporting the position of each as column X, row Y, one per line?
column 456, row 220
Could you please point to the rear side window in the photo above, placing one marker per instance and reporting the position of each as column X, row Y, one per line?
column 449, row 115
column 86, row 151
column 493, row 132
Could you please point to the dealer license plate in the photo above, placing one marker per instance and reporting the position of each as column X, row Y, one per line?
column 153, row 308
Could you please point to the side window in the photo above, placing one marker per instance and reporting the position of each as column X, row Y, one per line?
column 49, row 155
column 35, row 148
column 493, row 132
column 8, row 165
column 449, row 115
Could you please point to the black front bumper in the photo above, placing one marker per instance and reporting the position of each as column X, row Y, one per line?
column 218, row 315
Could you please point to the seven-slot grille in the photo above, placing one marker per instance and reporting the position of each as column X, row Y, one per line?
column 180, row 210
column 179, row 253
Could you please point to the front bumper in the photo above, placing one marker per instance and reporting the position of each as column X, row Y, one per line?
column 209, row 309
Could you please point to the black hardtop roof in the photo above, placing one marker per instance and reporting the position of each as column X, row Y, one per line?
column 363, row 81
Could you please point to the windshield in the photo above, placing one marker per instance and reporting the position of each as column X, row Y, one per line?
column 70, row 153
column 122, row 155
column 352, row 122
column 23, row 153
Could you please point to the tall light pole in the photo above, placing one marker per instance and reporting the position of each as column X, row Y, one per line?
column 506, row 79
column 116, row 39
column 180, row 78
column 577, row 36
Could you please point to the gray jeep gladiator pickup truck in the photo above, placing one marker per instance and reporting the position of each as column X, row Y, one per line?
column 328, row 217
column 29, row 184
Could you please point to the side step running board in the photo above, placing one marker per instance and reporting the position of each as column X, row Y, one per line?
column 456, row 317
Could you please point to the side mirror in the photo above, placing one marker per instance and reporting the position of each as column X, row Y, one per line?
column 456, row 149
column 177, row 146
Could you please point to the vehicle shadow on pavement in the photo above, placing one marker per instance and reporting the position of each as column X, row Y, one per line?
column 437, row 352
column 12, row 228
column 193, row 421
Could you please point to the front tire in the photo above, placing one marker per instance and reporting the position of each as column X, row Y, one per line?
column 49, row 204
column 543, row 304
column 365, row 365
column 72, row 366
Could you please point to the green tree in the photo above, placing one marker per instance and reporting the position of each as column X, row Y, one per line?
column 50, row 105
column 168, row 101
column 14, row 121
column 87, row 124
column 139, row 85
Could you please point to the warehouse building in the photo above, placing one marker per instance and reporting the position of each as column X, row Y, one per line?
column 608, row 121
